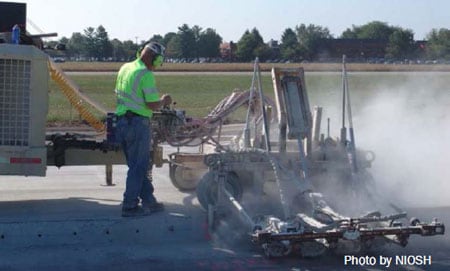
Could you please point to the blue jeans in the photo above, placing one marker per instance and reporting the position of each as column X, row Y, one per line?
column 134, row 135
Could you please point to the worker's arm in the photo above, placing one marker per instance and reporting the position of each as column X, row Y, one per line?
column 165, row 100
column 151, row 95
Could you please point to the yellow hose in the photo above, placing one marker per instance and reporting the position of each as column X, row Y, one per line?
column 75, row 97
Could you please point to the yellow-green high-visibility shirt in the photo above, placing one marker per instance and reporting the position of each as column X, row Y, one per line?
column 135, row 86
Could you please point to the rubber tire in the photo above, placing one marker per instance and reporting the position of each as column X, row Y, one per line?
column 207, row 188
column 181, row 184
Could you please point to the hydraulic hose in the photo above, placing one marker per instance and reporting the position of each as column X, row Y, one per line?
column 76, row 97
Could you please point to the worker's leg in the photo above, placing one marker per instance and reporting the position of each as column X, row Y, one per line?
column 147, row 197
column 135, row 141
column 147, row 186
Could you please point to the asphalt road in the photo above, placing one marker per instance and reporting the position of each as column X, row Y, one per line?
column 70, row 220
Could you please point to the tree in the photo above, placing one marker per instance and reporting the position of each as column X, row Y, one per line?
column 350, row 33
column 302, row 42
column 103, row 47
column 257, row 37
column 167, row 37
column 157, row 38
column 94, row 44
column 372, row 30
column 438, row 46
column 309, row 38
column 245, row 47
column 76, row 46
column 289, row 44
column 250, row 45
column 263, row 52
column 50, row 44
column 173, row 47
column 375, row 30
column 130, row 48
column 118, row 50
column 187, row 42
column 63, row 40
column 170, row 39
column 90, row 42
column 196, row 30
column 401, row 44
column 209, row 43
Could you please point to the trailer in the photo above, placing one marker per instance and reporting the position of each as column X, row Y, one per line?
column 27, row 148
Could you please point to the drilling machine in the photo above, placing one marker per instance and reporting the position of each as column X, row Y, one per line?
column 275, row 193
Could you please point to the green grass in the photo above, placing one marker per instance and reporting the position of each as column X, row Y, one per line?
column 98, row 87
column 198, row 94
column 235, row 67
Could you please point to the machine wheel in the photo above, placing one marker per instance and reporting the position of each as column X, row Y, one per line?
column 207, row 188
column 183, row 178
column 311, row 249
column 276, row 249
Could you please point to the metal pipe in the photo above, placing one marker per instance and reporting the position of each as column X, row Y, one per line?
column 269, row 115
column 352, row 144
column 108, row 173
column 303, row 161
column 263, row 109
column 328, row 127
column 317, row 118
column 246, row 132
column 344, row 94
column 241, row 211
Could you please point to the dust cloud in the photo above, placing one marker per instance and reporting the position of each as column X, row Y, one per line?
column 408, row 127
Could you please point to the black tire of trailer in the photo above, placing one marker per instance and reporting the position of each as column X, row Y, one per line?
column 176, row 177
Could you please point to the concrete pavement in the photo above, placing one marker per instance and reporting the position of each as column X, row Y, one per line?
column 70, row 220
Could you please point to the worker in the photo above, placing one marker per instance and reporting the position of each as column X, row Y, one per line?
column 137, row 98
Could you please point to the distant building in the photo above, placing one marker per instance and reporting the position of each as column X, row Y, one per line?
column 359, row 49
column 228, row 51
column 273, row 44
column 421, row 48
column 329, row 49
column 274, row 49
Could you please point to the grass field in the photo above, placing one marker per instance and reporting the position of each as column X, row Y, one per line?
column 237, row 67
column 199, row 93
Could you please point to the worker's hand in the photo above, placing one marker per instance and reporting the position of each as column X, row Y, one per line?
column 166, row 100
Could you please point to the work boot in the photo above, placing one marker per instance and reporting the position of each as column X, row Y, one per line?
column 154, row 207
column 136, row 211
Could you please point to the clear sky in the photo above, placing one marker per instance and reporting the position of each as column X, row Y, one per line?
column 128, row 19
